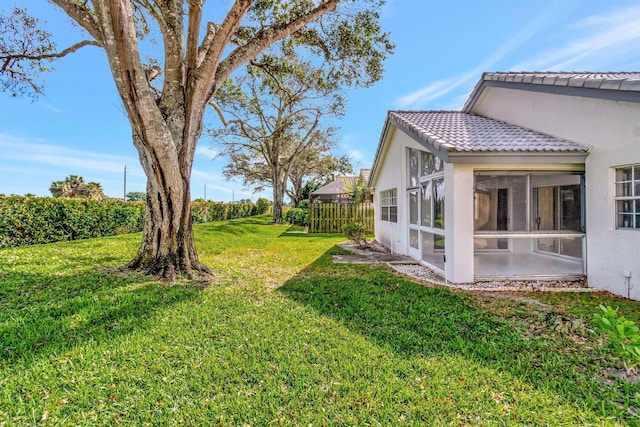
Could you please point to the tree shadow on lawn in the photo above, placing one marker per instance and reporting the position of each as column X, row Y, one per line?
column 48, row 314
column 237, row 227
column 414, row 320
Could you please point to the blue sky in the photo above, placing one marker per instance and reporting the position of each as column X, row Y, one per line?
column 79, row 126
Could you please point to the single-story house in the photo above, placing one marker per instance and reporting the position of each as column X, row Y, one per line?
column 538, row 177
column 338, row 190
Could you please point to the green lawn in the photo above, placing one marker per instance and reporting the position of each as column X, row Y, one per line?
column 284, row 337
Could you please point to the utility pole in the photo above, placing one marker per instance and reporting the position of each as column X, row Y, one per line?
column 205, row 191
column 124, row 195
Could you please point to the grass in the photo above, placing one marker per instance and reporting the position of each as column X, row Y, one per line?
column 285, row 337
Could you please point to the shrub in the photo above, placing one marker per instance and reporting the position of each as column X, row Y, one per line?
column 202, row 211
column 262, row 205
column 297, row 216
column 33, row 220
column 356, row 232
column 624, row 333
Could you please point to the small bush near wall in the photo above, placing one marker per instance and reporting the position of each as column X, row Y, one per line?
column 34, row 220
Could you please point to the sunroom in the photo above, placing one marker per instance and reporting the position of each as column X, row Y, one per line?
column 481, row 199
column 528, row 224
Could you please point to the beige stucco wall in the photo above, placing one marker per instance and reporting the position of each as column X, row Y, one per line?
column 389, row 176
column 612, row 129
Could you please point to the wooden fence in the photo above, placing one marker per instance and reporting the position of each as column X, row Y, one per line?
column 330, row 217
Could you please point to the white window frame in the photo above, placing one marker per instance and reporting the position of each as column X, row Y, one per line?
column 432, row 174
column 388, row 200
column 633, row 198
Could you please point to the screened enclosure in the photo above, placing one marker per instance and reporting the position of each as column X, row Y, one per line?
column 425, row 194
column 528, row 224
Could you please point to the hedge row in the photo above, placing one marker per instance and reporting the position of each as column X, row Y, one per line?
column 212, row 211
column 31, row 220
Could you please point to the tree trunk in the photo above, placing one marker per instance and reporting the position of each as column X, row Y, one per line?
column 168, row 248
column 166, row 128
column 278, row 199
column 296, row 190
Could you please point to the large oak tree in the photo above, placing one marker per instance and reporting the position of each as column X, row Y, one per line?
column 278, row 114
column 165, row 99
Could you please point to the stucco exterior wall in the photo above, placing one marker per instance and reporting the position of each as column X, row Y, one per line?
column 393, row 174
column 390, row 176
column 612, row 129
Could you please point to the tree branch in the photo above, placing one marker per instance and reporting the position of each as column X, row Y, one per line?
column 60, row 54
column 219, row 111
column 172, row 28
column 85, row 17
column 23, row 76
column 212, row 29
column 221, row 38
column 195, row 16
column 266, row 38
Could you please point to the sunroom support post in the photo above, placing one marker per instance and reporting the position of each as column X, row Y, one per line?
column 459, row 208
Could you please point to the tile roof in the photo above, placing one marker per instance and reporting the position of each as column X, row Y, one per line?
column 454, row 131
column 365, row 174
column 628, row 81
column 340, row 185
column 621, row 85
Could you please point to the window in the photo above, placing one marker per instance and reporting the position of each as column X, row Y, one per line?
column 413, row 207
column 627, row 198
column 427, row 195
column 438, row 203
column 433, row 249
column 389, row 205
column 425, row 203
column 413, row 157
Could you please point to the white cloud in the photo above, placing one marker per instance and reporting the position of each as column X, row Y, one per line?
column 28, row 150
column 595, row 41
column 421, row 97
column 428, row 93
column 50, row 107
column 347, row 144
column 207, row 152
column 356, row 155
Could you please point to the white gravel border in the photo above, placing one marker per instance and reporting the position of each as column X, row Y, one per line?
column 425, row 274
column 422, row 273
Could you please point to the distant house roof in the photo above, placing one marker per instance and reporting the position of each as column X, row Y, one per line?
column 623, row 86
column 340, row 185
column 365, row 174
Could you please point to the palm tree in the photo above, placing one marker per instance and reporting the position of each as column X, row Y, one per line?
column 94, row 191
column 74, row 187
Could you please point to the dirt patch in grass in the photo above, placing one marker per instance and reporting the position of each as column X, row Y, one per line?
column 517, row 296
column 614, row 374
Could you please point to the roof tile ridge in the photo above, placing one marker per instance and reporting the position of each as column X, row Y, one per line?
column 425, row 111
